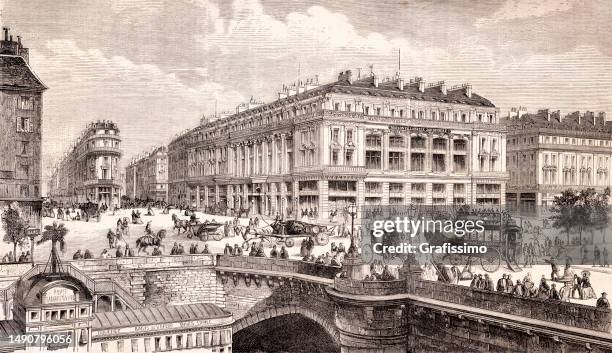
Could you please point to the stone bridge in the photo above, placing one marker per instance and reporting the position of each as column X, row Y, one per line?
column 405, row 315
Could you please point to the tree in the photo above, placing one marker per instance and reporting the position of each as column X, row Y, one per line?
column 563, row 211
column 56, row 234
column 586, row 210
column 14, row 227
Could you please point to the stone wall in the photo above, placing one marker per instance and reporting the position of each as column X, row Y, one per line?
column 180, row 286
column 375, row 288
column 242, row 295
column 570, row 314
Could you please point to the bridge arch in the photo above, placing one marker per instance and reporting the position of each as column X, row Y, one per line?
column 253, row 318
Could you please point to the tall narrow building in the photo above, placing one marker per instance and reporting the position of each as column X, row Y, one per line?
column 21, row 100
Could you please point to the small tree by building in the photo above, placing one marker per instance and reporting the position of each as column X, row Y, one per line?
column 55, row 234
column 14, row 227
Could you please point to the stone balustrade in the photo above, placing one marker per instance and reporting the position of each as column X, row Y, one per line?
column 374, row 288
column 570, row 314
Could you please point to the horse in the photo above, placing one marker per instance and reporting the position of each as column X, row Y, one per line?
column 150, row 240
column 180, row 223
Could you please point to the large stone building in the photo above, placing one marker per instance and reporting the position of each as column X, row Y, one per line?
column 146, row 178
column 548, row 153
column 21, row 94
column 89, row 171
column 363, row 141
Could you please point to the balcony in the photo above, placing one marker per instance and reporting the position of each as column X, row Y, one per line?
column 102, row 182
column 101, row 150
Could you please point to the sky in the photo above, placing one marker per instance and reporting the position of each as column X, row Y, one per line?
column 156, row 66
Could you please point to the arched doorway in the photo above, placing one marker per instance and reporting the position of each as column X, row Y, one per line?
column 293, row 333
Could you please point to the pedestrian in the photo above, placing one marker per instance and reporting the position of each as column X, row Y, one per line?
column 77, row 255
column 128, row 251
column 156, row 251
column 605, row 257
column 596, row 257
column 237, row 250
column 88, row 254
column 602, row 302
column 205, row 251
column 274, row 252
column 501, row 284
column 284, row 254
column 554, row 293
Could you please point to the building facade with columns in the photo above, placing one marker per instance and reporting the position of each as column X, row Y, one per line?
column 147, row 176
column 549, row 153
column 89, row 172
column 365, row 141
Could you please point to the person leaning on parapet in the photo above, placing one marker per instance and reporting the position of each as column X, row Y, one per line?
column 602, row 302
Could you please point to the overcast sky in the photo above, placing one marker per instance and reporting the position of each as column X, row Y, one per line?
column 155, row 66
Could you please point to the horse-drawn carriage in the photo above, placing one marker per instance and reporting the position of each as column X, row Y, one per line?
column 286, row 232
column 501, row 236
column 194, row 228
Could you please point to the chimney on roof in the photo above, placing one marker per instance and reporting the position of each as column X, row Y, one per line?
column 400, row 83
column 421, row 84
column 19, row 40
column 11, row 38
column 376, row 81
column 468, row 90
column 601, row 118
column 6, row 31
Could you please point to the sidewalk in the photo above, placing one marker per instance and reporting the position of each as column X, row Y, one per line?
column 607, row 270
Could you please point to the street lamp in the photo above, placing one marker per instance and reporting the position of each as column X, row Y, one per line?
column 32, row 233
column 352, row 209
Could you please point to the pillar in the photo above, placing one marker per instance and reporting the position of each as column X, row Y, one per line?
column 323, row 199
column 198, row 197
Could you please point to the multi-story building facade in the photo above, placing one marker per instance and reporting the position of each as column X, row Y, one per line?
column 21, row 100
column 147, row 177
column 548, row 153
column 363, row 141
column 89, row 171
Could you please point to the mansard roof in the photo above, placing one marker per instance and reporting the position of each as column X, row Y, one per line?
column 15, row 74
column 571, row 122
column 390, row 89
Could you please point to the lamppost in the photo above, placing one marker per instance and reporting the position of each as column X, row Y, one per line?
column 352, row 209
column 32, row 233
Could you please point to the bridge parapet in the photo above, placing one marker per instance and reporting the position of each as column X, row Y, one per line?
column 372, row 288
column 277, row 265
column 570, row 314
column 143, row 262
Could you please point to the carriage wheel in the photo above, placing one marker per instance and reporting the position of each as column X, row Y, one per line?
column 315, row 230
column 491, row 260
column 217, row 236
column 289, row 243
column 322, row 239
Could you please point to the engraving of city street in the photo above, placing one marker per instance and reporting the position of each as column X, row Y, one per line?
column 305, row 176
